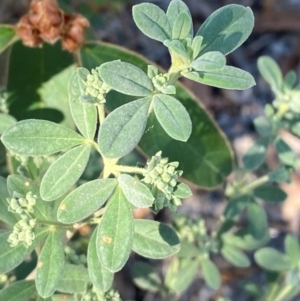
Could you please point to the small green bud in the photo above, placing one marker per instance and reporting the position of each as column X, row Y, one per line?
column 159, row 169
column 166, row 177
column 161, row 185
column 153, row 174
column 23, row 202
column 32, row 223
column 31, row 198
column 164, row 161
column 177, row 201
column 173, row 182
column 90, row 77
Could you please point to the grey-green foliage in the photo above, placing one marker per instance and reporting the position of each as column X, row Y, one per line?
column 115, row 233
column 75, row 208
column 126, row 123
column 109, row 201
column 245, row 194
column 50, row 265
column 59, row 179
column 200, row 58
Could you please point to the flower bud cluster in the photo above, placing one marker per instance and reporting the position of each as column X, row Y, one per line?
column 95, row 87
column 22, row 205
column 23, row 231
column 89, row 296
column 194, row 231
column 73, row 257
column 161, row 83
column 110, row 295
column 163, row 175
column 47, row 22
column 3, row 102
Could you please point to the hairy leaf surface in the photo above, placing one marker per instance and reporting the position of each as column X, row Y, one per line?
column 64, row 172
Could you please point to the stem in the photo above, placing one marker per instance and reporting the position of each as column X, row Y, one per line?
column 273, row 291
column 256, row 183
column 52, row 223
column 129, row 169
column 283, row 293
column 101, row 113
column 95, row 146
column 99, row 213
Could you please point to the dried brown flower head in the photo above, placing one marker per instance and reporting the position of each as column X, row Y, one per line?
column 47, row 22
column 73, row 33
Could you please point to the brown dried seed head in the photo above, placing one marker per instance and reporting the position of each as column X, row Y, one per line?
column 74, row 32
column 28, row 33
column 48, row 19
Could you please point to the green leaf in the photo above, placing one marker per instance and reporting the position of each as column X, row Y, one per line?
column 182, row 191
column 279, row 174
column 188, row 250
column 85, row 200
column 272, row 260
column 172, row 116
column 11, row 257
column 257, row 219
column 54, row 94
column 50, row 265
column 211, row 273
column 64, row 172
column 115, row 233
column 7, row 36
column 39, row 138
column 175, row 46
column 74, row 279
column 18, row 291
column 209, row 61
column 290, row 79
column 175, row 8
column 146, row 278
column 270, row 71
column 213, row 151
column 196, row 46
column 292, row 249
column 235, row 207
column 152, row 21
column 183, row 26
column 5, row 122
column 263, row 126
column 285, row 153
column 180, row 274
column 270, row 193
column 235, row 256
column 226, row 28
column 101, row 277
column 154, row 240
column 23, row 185
column 255, row 155
column 5, row 215
column 227, row 78
column 27, row 93
column 123, row 128
column 295, row 129
column 135, row 192
column 242, row 239
column 84, row 114
column 126, row 78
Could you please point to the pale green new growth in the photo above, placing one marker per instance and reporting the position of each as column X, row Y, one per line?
column 133, row 104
